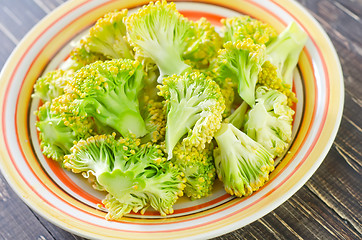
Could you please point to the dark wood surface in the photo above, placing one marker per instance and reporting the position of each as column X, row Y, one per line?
column 328, row 206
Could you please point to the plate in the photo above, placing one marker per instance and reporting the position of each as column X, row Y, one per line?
column 67, row 200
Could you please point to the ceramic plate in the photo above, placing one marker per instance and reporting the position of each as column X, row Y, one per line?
column 69, row 202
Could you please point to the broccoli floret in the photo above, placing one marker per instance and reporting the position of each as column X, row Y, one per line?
column 268, row 77
column 284, row 51
column 241, row 163
column 135, row 176
column 238, row 116
column 51, row 85
column 198, row 167
column 194, row 108
column 241, row 27
column 158, row 31
column 227, row 86
column 150, row 78
column 106, row 40
column 154, row 114
column 241, row 61
column 80, row 57
column 108, row 91
column 56, row 138
column 204, row 45
column 270, row 121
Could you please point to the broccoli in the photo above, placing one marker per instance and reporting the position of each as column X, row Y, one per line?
column 51, row 85
column 268, row 77
column 151, row 74
column 105, row 40
column 241, row 27
column 154, row 114
column 108, row 91
column 241, row 61
column 238, row 116
column 135, row 176
column 269, row 122
column 56, row 138
column 226, row 85
column 80, row 57
column 241, row 163
column 204, row 45
column 158, row 31
column 194, row 108
column 284, row 51
column 198, row 167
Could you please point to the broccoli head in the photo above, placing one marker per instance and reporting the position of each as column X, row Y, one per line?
column 154, row 114
column 203, row 46
column 105, row 40
column 194, row 108
column 269, row 122
column 241, row 61
column 226, row 85
column 242, row 164
column 51, row 85
column 198, row 167
column 108, row 91
column 284, row 51
column 268, row 77
column 158, row 31
column 241, row 27
column 56, row 136
column 135, row 176
column 80, row 57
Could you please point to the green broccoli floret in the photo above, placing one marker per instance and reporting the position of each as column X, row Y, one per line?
column 241, row 27
column 154, row 114
column 194, row 108
column 150, row 78
column 226, row 85
column 270, row 121
column 158, row 31
column 56, row 138
column 80, row 57
column 51, row 85
column 106, row 40
column 108, row 91
column 284, row 51
column 242, row 164
column 135, row 176
column 203, row 46
column 238, row 116
column 268, row 77
column 198, row 167
column 241, row 61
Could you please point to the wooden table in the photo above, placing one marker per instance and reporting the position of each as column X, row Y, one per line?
column 328, row 206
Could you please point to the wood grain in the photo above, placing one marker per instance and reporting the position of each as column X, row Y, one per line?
column 327, row 207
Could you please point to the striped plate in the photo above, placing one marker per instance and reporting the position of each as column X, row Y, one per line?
column 67, row 201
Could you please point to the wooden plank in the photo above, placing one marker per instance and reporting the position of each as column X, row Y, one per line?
column 55, row 231
column 17, row 221
column 303, row 216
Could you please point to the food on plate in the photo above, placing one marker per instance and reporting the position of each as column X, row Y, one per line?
column 151, row 106
column 135, row 175
column 194, row 107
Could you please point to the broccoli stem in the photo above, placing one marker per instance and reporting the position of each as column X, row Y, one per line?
column 237, row 117
column 60, row 136
column 180, row 118
column 117, row 111
column 170, row 62
column 234, row 167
